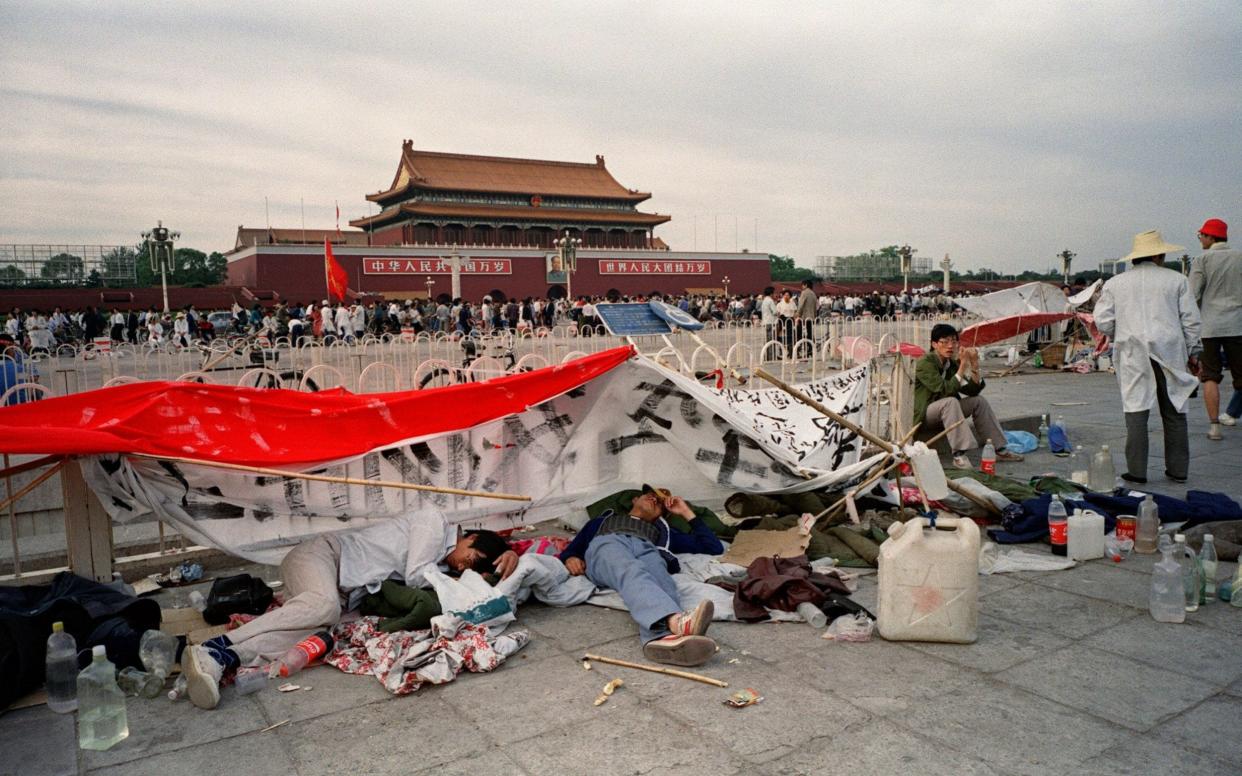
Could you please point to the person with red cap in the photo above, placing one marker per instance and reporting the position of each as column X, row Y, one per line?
column 1216, row 281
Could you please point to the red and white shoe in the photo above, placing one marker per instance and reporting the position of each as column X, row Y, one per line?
column 694, row 622
column 680, row 650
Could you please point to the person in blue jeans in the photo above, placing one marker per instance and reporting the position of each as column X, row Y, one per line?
column 635, row 555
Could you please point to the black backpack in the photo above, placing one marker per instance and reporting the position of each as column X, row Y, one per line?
column 240, row 594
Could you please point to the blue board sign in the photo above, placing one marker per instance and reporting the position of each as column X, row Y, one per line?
column 675, row 316
column 631, row 319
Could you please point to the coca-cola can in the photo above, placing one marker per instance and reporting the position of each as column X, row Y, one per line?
column 1127, row 527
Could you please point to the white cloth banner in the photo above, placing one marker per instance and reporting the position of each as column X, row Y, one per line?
column 638, row 423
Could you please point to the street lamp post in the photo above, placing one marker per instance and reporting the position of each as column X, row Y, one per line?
column 724, row 281
column 905, row 252
column 160, row 248
column 568, row 248
column 429, row 283
column 945, row 264
column 1185, row 263
column 1067, row 259
column 454, row 260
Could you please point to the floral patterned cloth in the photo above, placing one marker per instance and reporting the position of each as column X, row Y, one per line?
column 406, row 660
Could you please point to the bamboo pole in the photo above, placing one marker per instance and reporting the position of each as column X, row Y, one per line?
column 36, row 482
column 13, row 471
column 327, row 478
column 656, row 669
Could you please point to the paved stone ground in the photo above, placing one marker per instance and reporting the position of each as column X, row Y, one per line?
column 1069, row 675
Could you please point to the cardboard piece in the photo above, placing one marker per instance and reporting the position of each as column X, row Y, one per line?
column 179, row 622
column 36, row 698
column 748, row 545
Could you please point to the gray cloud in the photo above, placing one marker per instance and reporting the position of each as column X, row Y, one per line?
column 998, row 133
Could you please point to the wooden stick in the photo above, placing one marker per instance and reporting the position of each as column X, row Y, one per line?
column 656, row 670
column 13, row 471
column 879, row 442
column 327, row 478
column 36, row 482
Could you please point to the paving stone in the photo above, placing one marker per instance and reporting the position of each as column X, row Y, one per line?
column 331, row 691
column 878, row 747
column 38, row 742
column 754, row 641
column 418, row 730
column 1109, row 686
column 552, row 691
column 1011, row 729
column 1064, row 614
column 158, row 725
column 1188, row 648
column 493, row 762
column 1144, row 755
column 759, row 733
column 633, row 740
column 1211, row 727
column 256, row 754
column 1218, row 615
column 880, row 676
column 1001, row 645
column 1106, row 582
column 572, row 630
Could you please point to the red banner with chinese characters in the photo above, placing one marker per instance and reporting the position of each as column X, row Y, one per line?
column 436, row 266
column 656, row 267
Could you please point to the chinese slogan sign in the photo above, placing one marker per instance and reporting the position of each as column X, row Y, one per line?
column 662, row 267
column 436, row 266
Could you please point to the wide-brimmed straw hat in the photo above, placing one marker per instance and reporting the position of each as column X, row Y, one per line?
column 1150, row 243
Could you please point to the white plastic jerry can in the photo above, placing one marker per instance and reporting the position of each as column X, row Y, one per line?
column 929, row 581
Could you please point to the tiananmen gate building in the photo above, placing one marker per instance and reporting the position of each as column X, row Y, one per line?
column 500, row 216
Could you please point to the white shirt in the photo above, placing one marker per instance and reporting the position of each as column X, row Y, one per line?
column 402, row 547
column 767, row 311
column 1151, row 316
column 786, row 309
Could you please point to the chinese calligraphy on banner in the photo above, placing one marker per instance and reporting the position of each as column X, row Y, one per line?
column 661, row 267
column 436, row 266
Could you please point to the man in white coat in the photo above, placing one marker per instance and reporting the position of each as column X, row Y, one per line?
column 1152, row 317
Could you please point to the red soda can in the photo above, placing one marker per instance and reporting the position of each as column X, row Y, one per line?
column 1127, row 527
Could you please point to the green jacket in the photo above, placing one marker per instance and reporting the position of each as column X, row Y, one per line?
column 933, row 381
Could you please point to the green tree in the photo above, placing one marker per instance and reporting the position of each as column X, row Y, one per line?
column 11, row 275
column 783, row 268
column 119, row 265
column 218, row 268
column 64, row 267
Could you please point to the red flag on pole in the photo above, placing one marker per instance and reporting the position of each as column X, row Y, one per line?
column 337, row 278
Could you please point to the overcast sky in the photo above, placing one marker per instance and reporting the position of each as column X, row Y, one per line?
column 999, row 133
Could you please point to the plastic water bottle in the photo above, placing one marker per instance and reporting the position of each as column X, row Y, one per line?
column 1103, row 476
column 1061, row 424
column 306, row 652
column 987, row 462
column 157, row 650
column 1148, row 526
column 1078, row 467
column 1058, row 526
column 101, row 705
column 62, row 670
column 1192, row 572
column 813, row 615
column 1043, row 430
column 1167, row 601
column 1236, row 600
column 1207, row 559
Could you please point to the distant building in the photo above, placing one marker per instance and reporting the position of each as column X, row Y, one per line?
column 1113, row 266
column 868, row 266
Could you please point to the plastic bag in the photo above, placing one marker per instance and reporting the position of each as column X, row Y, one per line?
column 850, row 627
column 1021, row 442
column 471, row 598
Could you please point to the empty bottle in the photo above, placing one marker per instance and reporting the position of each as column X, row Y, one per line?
column 1148, row 526
column 1192, row 572
column 178, row 690
column 198, row 601
column 1236, row 588
column 1061, row 424
column 1058, row 526
column 987, row 462
column 813, row 615
column 1102, row 474
column 101, row 705
column 306, row 652
column 1043, row 430
column 62, row 670
column 1207, row 559
column 1079, row 467
column 1167, row 601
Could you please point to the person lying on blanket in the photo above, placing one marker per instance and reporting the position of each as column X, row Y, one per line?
column 336, row 570
column 634, row 554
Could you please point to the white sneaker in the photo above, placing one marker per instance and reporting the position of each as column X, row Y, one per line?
column 1214, row 432
column 202, row 676
column 1226, row 419
column 961, row 462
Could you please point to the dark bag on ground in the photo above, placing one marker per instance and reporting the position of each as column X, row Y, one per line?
column 240, row 594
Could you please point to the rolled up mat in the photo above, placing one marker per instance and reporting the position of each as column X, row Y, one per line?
column 862, row 546
column 842, row 553
column 798, row 503
column 753, row 505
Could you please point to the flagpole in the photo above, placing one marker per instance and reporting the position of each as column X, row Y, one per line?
column 302, row 200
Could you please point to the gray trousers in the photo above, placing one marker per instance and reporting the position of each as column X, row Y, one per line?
column 1176, row 436
column 312, row 603
column 943, row 413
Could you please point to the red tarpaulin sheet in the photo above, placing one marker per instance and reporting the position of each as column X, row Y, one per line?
column 1000, row 329
column 260, row 427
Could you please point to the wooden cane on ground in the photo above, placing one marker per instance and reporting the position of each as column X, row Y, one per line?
column 327, row 478
column 656, row 669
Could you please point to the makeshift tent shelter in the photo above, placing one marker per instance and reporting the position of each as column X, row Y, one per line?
column 563, row 435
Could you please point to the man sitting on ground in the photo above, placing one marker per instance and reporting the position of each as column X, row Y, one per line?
column 341, row 568
column 635, row 555
column 947, row 390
